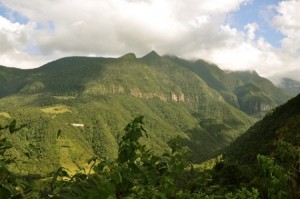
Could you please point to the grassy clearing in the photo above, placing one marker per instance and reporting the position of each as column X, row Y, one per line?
column 73, row 156
column 64, row 97
column 58, row 109
column 5, row 114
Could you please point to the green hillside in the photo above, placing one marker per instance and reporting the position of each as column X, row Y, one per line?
column 89, row 100
column 291, row 86
column 245, row 90
column 283, row 123
column 266, row 156
column 258, row 94
column 11, row 80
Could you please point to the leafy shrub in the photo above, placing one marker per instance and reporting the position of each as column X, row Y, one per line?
column 10, row 185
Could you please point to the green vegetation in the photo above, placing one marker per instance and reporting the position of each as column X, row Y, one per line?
column 58, row 109
column 245, row 90
column 291, row 86
column 138, row 173
column 76, row 106
column 11, row 186
column 283, row 123
column 277, row 139
column 5, row 114
column 102, row 94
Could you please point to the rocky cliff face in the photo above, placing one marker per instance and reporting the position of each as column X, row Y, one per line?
column 137, row 92
column 256, row 106
column 259, row 107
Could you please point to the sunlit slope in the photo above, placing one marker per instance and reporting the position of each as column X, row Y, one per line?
column 77, row 106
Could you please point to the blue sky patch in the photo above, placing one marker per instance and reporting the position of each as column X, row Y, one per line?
column 258, row 12
column 12, row 15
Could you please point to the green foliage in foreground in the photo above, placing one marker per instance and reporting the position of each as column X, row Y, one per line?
column 10, row 185
column 282, row 172
column 275, row 176
column 139, row 173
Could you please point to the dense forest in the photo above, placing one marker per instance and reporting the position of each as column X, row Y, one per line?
column 90, row 100
column 191, row 130
column 257, row 165
column 149, row 99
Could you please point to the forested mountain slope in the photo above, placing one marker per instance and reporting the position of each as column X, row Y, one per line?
column 245, row 90
column 291, row 86
column 267, row 156
column 281, row 124
column 77, row 106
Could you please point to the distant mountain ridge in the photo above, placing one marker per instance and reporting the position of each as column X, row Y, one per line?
column 245, row 90
column 283, row 123
column 194, row 102
column 236, row 88
column 266, row 151
column 290, row 85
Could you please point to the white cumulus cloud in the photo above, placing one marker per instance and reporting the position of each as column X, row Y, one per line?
column 191, row 28
column 251, row 29
column 288, row 23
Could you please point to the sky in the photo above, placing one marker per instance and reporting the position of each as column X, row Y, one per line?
column 260, row 35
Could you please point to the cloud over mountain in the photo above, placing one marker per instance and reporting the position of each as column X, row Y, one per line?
column 191, row 29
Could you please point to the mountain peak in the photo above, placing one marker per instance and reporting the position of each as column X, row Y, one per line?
column 151, row 55
column 129, row 56
column 152, row 58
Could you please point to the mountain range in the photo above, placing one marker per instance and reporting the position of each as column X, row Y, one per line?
column 76, row 106
column 291, row 86
column 280, row 124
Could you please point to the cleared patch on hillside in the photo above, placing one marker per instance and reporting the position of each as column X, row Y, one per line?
column 73, row 156
column 58, row 109
column 5, row 114
column 64, row 97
